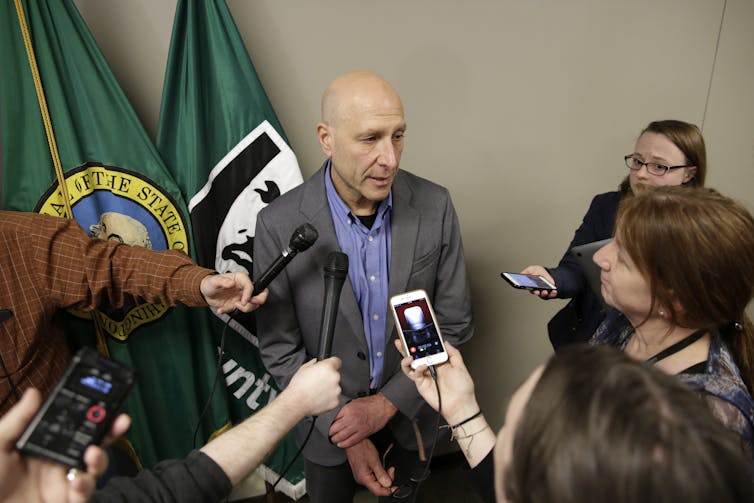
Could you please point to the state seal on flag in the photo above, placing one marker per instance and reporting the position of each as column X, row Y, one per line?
column 120, row 205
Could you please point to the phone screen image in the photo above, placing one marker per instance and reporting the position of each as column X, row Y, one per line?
column 421, row 336
column 529, row 281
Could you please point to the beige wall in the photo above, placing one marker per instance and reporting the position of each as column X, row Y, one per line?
column 522, row 109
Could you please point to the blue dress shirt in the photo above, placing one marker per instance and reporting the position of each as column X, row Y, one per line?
column 368, row 253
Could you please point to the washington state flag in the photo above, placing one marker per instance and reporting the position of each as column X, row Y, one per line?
column 221, row 140
column 74, row 148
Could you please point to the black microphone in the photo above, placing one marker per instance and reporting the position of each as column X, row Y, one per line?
column 336, row 271
column 303, row 237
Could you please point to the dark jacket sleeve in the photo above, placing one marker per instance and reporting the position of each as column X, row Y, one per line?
column 597, row 225
column 482, row 477
column 194, row 479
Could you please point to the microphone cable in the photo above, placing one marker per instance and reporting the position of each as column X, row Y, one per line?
column 215, row 380
column 425, row 474
column 212, row 392
column 296, row 456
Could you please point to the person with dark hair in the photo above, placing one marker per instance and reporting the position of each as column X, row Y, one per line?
column 591, row 424
column 667, row 152
column 679, row 274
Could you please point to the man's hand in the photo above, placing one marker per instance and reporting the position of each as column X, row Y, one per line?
column 368, row 470
column 34, row 479
column 360, row 418
column 230, row 291
column 315, row 387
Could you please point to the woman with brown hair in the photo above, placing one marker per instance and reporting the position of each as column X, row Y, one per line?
column 679, row 273
column 667, row 152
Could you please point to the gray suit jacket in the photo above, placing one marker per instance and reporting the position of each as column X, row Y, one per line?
column 426, row 253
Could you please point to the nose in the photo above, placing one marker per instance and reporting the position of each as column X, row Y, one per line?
column 388, row 156
column 600, row 257
column 643, row 172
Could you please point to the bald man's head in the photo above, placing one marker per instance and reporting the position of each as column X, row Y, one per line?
column 356, row 89
column 362, row 131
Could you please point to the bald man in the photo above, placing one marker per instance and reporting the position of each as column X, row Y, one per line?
column 400, row 233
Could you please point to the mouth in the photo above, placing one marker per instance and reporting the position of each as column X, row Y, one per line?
column 384, row 181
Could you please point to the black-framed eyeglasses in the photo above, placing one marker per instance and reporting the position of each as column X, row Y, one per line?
column 653, row 168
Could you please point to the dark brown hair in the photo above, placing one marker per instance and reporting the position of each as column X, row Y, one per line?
column 689, row 140
column 695, row 247
column 602, row 427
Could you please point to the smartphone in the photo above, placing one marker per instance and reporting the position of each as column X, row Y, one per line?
column 527, row 281
column 80, row 410
column 417, row 327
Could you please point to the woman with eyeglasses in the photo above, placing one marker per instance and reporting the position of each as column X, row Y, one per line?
column 668, row 152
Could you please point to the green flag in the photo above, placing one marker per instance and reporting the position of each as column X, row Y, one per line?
column 219, row 136
column 113, row 176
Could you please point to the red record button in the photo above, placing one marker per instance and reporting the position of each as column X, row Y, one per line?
column 96, row 413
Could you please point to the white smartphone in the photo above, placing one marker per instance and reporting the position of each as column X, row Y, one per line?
column 527, row 281
column 417, row 327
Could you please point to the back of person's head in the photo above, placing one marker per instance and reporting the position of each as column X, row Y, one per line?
column 602, row 427
column 696, row 249
column 689, row 140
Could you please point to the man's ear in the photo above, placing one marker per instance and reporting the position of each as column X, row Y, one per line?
column 324, row 135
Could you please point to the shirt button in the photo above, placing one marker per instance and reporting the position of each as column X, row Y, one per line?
column 372, row 278
column 379, row 354
column 349, row 221
column 376, row 317
column 370, row 238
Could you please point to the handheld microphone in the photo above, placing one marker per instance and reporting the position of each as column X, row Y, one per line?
column 336, row 271
column 302, row 238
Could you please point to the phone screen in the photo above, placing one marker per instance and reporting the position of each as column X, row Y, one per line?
column 421, row 335
column 529, row 281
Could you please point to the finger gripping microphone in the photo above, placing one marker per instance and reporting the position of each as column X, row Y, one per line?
column 336, row 271
column 303, row 237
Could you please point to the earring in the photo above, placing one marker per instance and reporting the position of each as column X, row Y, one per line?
column 661, row 312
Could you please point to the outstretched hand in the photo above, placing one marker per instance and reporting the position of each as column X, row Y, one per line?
column 453, row 379
column 315, row 387
column 25, row 478
column 231, row 290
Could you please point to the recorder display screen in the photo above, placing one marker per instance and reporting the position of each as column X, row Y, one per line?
column 96, row 383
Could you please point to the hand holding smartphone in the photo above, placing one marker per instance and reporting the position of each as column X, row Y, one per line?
column 527, row 281
column 418, row 329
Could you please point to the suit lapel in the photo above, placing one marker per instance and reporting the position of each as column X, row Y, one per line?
column 316, row 209
column 405, row 228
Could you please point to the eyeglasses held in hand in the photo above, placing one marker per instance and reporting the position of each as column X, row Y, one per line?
column 653, row 168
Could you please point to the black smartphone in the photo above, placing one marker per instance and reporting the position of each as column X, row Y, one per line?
column 527, row 281
column 80, row 410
